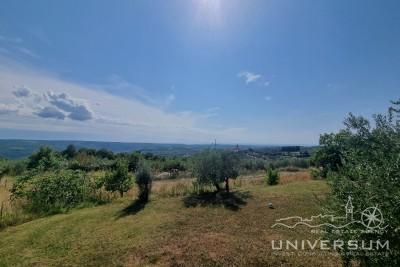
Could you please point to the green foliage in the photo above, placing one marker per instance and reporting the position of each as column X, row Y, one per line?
column 364, row 162
column 119, row 179
column 70, row 152
column 272, row 176
column 51, row 192
column 44, row 159
column 133, row 161
column 144, row 182
column 104, row 154
column 173, row 165
column 315, row 173
column 12, row 167
column 290, row 162
column 214, row 167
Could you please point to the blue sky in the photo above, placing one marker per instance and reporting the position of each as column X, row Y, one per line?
column 255, row 72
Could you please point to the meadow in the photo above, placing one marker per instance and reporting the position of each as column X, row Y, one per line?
column 173, row 229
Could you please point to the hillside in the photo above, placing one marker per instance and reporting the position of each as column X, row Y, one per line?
column 171, row 231
column 15, row 149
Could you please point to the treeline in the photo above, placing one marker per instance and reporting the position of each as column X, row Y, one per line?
column 88, row 160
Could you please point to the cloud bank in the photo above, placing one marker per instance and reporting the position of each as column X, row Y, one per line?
column 40, row 101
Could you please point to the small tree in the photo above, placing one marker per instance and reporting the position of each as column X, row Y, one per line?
column 70, row 152
column 214, row 167
column 44, row 159
column 119, row 179
column 133, row 161
column 144, row 181
column 272, row 176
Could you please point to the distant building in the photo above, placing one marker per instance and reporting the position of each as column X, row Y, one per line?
column 236, row 149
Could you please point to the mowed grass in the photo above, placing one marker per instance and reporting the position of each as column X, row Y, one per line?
column 168, row 232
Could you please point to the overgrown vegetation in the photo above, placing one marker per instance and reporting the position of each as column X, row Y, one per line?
column 52, row 192
column 363, row 161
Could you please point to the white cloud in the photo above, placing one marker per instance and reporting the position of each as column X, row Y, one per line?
column 50, row 112
column 267, row 83
column 249, row 76
column 6, row 109
column 268, row 98
column 77, row 111
column 49, row 103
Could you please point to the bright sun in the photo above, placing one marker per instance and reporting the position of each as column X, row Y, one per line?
column 209, row 11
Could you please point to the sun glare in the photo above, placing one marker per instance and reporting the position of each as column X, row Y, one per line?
column 209, row 11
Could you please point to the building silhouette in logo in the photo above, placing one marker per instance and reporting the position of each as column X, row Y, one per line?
column 349, row 210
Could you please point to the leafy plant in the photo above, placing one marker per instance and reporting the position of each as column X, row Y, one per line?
column 144, row 182
column 120, row 179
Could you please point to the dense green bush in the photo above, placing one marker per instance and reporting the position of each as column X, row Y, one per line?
column 51, row 192
column 12, row 167
column 144, row 182
column 364, row 162
column 119, row 179
column 45, row 159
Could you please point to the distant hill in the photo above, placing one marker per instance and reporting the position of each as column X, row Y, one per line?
column 14, row 149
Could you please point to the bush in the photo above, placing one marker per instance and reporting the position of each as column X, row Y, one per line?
column 144, row 181
column 119, row 179
column 315, row 173
column 364, row 161
column 272, row 176
column 51, row 192
column 44, row 159
column 69, row 152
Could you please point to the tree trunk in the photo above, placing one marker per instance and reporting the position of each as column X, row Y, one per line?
column 121, row 193
column 227, row 185
column 217, row 186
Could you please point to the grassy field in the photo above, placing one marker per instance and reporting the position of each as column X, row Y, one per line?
column 172, row 231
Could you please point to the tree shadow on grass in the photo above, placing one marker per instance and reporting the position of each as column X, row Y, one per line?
column 132, row 209
column 232, row 201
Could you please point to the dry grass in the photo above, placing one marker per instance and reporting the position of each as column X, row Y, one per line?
column 290, row 177
column 167, row 233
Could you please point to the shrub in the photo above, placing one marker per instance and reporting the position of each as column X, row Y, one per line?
column 69, row 152
column 51, row 192
column 272, row 176
column 144, row 181
column 44, row 159
column 315, row 173
column 119, row 179
column 133, row 161
column 364, row 161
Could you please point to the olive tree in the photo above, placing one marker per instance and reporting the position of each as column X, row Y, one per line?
column 216, row 167
column 365, row 164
